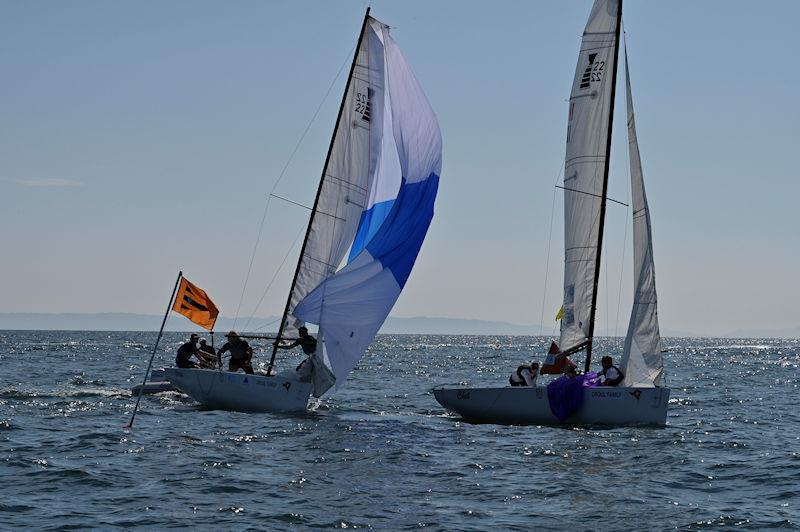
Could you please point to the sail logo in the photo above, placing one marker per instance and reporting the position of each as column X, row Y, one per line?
column 363, row 104
column 593, row 72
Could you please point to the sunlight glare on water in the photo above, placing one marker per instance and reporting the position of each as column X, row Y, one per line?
column 382, row 453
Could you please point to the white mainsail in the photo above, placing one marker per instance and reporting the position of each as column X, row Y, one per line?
column 587, row 138
column 344, row 185
column 641, row 358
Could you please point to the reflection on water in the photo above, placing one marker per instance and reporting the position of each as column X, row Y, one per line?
column 383, row 454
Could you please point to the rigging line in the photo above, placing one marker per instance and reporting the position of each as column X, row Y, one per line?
column 280, row 177
column 291, row 201
column 590, row 194
column 252, row 259
column 275, row 275
column 628, row 191
column 607, row 319
column 547, row 263
column 273, row 322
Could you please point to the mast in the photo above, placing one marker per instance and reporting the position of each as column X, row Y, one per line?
column 605, row 190
column 319, row 192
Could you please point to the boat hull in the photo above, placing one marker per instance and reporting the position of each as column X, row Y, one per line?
column 158, row 383
column 151, row 387
column 240, row 392
column 530, row 406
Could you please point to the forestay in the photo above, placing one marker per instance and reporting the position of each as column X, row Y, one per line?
column 343, row 189
column 587, row 135
column 641, row 358
column 351, row 305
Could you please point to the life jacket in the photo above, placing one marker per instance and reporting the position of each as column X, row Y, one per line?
column 516, row 378
column 619, row 379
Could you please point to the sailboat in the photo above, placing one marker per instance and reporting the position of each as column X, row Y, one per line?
column 372, row 210
column 641, row 398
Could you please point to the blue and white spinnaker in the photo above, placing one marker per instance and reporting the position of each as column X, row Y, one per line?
column 405, row 158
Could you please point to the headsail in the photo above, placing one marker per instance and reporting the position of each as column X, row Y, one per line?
column 344, row 184
column 588, row 130
column 641, row 358
column 351, row 305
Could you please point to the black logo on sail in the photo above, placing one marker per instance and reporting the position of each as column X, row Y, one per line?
column 587, row 74
column 364, row 104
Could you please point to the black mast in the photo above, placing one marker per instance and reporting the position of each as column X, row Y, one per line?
column 319, row 192
column 605, row 189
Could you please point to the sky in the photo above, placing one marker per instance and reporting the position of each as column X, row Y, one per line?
column 140, row 138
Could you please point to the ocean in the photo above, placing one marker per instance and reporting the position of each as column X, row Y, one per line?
column 383, row 454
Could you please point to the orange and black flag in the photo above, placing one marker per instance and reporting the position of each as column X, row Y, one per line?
column 195, row 304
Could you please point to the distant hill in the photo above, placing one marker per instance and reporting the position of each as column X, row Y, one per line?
column 120, row 321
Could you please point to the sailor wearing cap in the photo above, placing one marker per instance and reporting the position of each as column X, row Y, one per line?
column 241, row 353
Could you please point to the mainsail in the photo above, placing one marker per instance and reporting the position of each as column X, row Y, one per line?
column 343, row 186
column 585, row 170
column 641, row 358
column 401, row 163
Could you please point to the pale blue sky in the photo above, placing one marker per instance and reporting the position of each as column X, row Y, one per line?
column 142, row 137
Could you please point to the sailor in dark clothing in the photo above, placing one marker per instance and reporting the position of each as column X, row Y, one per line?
column 207, row 355
column 306, row 341
column 309, row 345
column 241, row 353
column 612, row 375
column 185, row 353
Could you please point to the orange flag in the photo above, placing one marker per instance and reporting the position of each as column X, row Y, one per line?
column 195, row 304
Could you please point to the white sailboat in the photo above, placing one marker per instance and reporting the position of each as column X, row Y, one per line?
column 642, row 397
column 370, row 216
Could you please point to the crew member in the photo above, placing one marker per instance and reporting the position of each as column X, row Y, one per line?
column 309, row 345
column 612, row 375
column 241, row 353
column 525, row 375
column 305, row 340
column 185, row 353
column 207, row 355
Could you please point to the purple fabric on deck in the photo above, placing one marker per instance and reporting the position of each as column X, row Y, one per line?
column 591, row 379
column 565, row 396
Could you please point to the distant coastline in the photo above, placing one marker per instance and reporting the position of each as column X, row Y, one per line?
column 122, row 321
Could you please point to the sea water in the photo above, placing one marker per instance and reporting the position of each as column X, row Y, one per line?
column 382, row 453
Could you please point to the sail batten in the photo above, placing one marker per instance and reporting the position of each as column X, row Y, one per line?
column 585, row 170
column 641, row 357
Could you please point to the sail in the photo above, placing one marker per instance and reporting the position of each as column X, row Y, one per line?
column 641, row 357
column 351, row 305
column 343, row 189
column 587, row 137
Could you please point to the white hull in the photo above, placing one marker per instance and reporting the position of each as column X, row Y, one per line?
column 158, row 383
column 223, row 390
column 530, row 406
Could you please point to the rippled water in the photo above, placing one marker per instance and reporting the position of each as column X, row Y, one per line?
column 383, row 454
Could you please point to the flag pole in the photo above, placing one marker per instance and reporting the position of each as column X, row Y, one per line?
column 155, row 348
